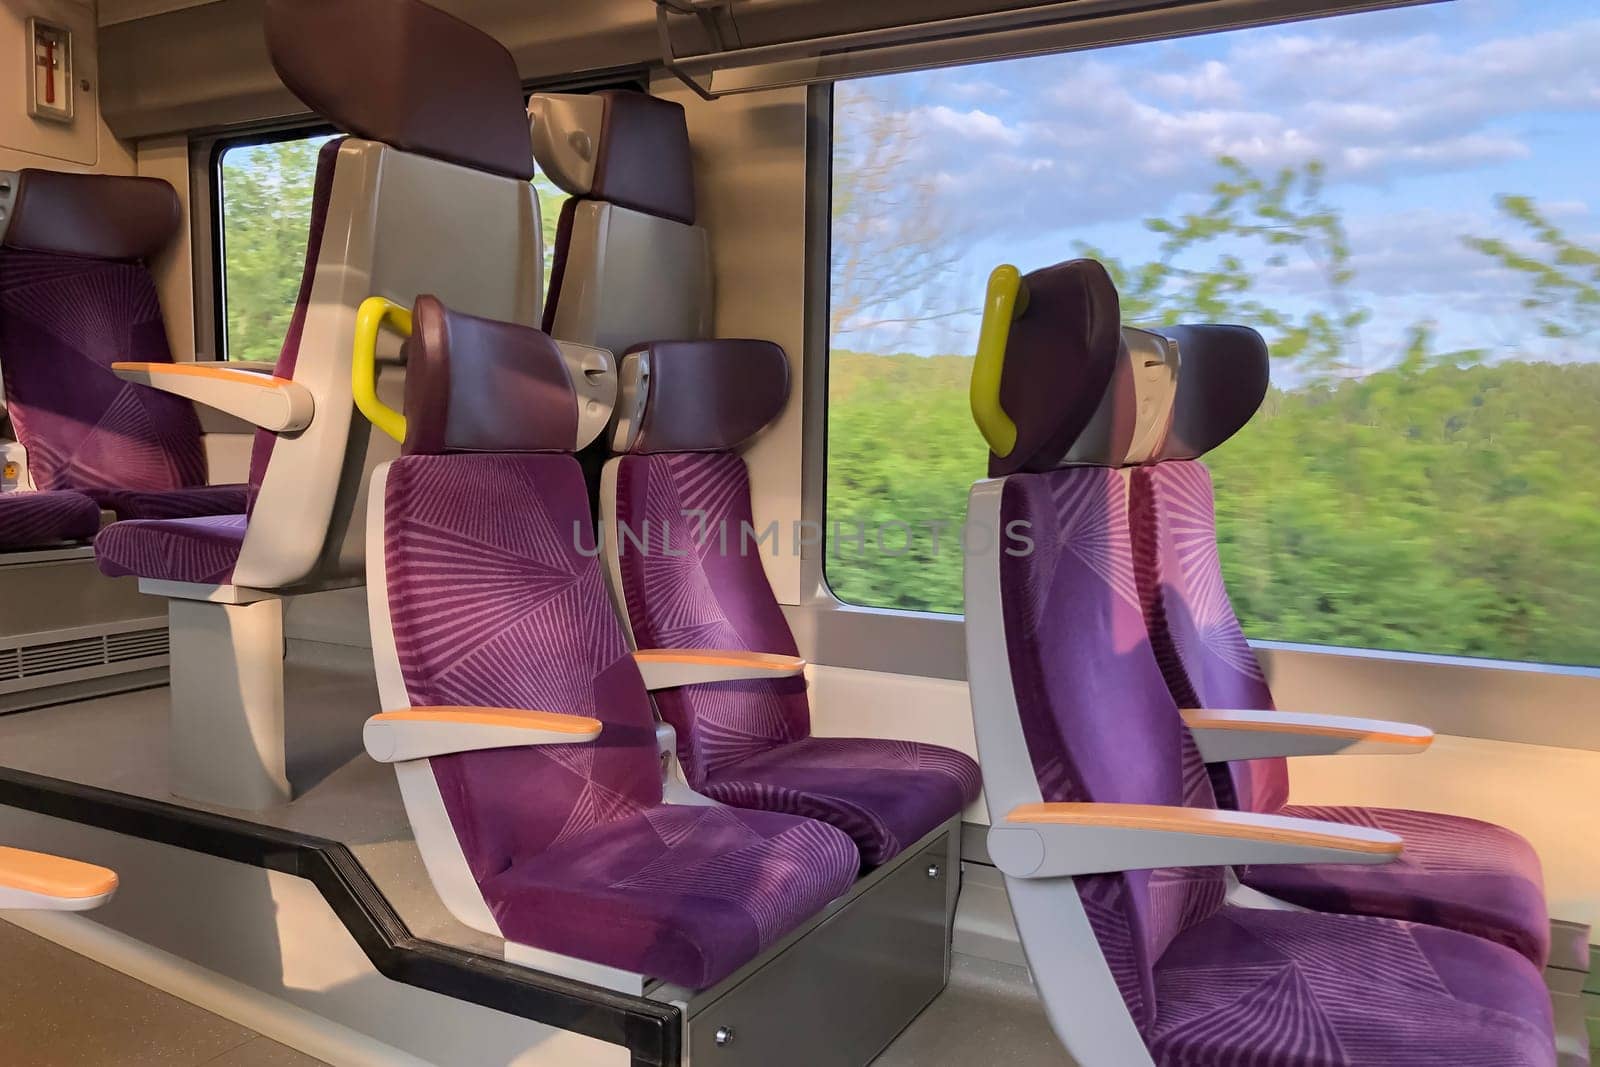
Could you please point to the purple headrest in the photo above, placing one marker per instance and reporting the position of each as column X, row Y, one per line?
column 698, row 396
column 478, row 385
column 1060, row 356
column 1221, row 383
column 101, row 216
column 406, row 74
column 624, row 147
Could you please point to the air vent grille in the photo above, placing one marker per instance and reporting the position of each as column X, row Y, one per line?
column 97, row 650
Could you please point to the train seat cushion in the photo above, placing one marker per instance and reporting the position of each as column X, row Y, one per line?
column 1202, row 649
column 1298, row 989
column 687, row 894
column 696, row 580
column 885, row 794
column 45, row 518
column 63, row 321
column 187, row 503
column 496, row 599
column 201, row 550
column 1096, row 717
column 1456, row 872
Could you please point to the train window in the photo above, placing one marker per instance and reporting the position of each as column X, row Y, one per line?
column 264, row 200
column 1401, row 202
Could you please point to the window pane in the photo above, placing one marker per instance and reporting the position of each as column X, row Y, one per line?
column 266, row 214
column 1402, row 202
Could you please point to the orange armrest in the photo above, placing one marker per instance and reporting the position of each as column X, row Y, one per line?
column 421, row 733
column 37, row 880
column 1229, row 735
column 664, row 668
column 1063, row 840
column 264, row 400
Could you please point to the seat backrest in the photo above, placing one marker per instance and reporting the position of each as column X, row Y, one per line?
column 681, row 549
column 484, row 590
column 76, row 295
column 630, row 264
column 429, row 193
column 1202, row 649
column 1068, row 699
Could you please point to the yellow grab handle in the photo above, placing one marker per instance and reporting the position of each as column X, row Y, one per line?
column 1006, row 298
column 370, row 317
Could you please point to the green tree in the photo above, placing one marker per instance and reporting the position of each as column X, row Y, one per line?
column 1563, row 276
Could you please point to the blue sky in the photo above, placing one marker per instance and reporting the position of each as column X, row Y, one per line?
column 1422, row 115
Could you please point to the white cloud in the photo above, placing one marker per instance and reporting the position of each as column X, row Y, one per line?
column 974, row 125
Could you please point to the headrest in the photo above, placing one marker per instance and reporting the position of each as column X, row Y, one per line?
column 1055, row 340
column 1223, row 381
column 406, row 74
column 1130, row 426
column 103, row 216
column 698, row 396
column 627, row 148
column 478, row 385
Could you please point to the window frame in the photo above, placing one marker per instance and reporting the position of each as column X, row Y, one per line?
column 1499, row 700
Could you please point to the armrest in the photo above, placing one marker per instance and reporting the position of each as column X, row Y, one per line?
column 664, row 668
column 1231, row 735
column 35, row 880
column 420, row 733
column 254, row 366
column 272, row 403
column 1061, row 840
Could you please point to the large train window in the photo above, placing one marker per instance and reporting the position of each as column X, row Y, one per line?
column 264, row 214
column 1403, row 202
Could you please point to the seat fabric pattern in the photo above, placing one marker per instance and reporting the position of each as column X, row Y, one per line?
column 698, row 582
column 44, row 518
column 496, row 600
column 688, row 893
column 1456, row 872
column 1297, row 989
column 173, row 503
column 1096, row 716
column 886, row 795
column 1207, row 984
column 203, row 550
column 1202, row 649
column 63, row 321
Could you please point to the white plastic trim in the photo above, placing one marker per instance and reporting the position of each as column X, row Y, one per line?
column 392, row 695
column 440, row 847
column 23, row 900
column 566, row 137
column 670, row 673
column 275, row 404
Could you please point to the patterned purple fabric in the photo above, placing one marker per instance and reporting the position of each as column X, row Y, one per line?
column 692, row 578
column 1459, row 873
column 173, row 503
column 1296, row 989
column 1198, row 641
column 1209, row 984
column 202, row 550
column 41, row 519
column 289, row 353
column 496, row 600
column 63, row 322
column 690, row 894
column 1096, row 716
column 885, row 794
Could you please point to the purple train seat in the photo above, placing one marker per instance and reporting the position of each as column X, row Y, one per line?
column 45, row 519
column 1106, row 828
column 428, row 192
column 548, row 827
column 681, row 549
column 76, row 296
column 1456, row 872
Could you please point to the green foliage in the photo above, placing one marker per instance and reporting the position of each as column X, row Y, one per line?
column 266, row 215
column 1449, row 503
